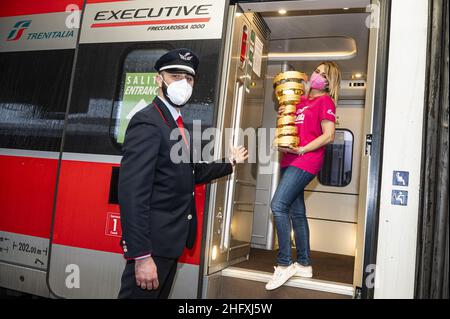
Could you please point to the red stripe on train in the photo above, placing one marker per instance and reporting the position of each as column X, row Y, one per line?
column 11, row 8
column 102, row 1
column 149, row 22
column 83, row 218
column 27, row 188
column 26, row 7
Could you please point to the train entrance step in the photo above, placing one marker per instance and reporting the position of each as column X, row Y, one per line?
column 237, row 283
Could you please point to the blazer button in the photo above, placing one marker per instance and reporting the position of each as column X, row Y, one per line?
column 193, row 193
column 193, row 171
column 189, row 217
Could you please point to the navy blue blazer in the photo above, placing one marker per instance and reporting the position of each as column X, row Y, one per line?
column 156, row 195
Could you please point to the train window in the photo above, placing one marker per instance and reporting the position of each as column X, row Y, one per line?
column 337, row 166
column 34, row 87
column 137, row 88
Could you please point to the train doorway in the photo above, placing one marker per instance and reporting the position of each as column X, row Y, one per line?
column 241, row 243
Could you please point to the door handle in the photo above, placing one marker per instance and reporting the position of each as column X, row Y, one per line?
column 113, row 186
column 368, row 148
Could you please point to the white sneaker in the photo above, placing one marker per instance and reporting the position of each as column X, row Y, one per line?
column 280, row 276
column 303, row 271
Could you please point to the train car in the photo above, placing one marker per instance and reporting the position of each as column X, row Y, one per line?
column 74, row 72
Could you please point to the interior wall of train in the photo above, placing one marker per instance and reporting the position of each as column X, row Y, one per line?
column 298, row 41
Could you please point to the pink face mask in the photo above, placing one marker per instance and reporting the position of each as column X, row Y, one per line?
column 318, row 82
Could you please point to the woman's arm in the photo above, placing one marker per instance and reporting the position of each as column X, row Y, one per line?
column 326, row 138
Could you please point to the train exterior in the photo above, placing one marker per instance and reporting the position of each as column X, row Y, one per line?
column 74, row 72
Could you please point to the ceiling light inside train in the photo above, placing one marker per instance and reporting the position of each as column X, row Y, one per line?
column 282, row 11
column 313, row 49
column 311, row 56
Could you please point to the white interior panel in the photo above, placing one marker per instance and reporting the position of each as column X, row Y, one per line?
column 331, row 206
column 332, row 237
column 397, row 233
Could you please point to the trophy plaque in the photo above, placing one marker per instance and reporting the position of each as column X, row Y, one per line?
column 289, row 87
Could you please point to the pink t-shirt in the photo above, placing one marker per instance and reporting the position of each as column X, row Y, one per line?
column 310, row 113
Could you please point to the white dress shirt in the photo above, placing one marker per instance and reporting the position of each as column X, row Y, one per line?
column 175, row 112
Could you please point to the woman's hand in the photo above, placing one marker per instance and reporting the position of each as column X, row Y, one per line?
column 292, row 150
column 288, row 150
column 275, row 144
column 281, row 109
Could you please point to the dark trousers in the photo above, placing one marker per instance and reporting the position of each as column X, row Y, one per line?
column 166, row 268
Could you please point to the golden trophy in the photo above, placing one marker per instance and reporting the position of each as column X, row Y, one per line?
column 289, row 87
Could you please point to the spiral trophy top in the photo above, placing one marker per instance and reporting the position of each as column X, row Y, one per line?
column 289, row 87
column 290, row 76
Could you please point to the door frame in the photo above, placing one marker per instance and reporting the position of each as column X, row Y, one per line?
column 221, row 76
column 376, row 156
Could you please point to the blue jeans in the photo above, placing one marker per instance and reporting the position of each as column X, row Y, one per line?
column 288, row 204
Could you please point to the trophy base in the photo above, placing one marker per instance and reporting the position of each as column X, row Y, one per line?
column 287, row 146
column 287, row 142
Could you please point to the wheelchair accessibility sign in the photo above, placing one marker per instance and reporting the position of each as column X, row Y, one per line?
column 399, row 198
column 400, row 178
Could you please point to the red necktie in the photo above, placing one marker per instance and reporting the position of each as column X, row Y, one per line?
column 181, row 127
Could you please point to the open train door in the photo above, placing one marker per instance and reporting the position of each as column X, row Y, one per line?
column 113, row 79
column 232, row 200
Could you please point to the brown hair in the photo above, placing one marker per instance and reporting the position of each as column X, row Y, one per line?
column 333, row 73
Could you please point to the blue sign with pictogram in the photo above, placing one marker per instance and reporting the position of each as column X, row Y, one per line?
column 399, row 198
column 400, row 178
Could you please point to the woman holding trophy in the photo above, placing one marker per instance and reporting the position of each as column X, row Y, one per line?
column 306, row 124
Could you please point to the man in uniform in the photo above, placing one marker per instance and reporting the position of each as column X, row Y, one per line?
column 156, row 193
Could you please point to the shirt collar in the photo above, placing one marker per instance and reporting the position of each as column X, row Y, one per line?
column 175, row 113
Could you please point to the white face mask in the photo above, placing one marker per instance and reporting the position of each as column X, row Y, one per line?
column 179, row 92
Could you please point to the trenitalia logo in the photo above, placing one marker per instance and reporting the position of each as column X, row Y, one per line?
column 17, row 32
column 152, row 16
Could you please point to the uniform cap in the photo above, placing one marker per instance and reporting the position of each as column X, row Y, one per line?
column 178, row 59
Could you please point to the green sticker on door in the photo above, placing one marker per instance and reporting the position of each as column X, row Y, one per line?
column 139, row 91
